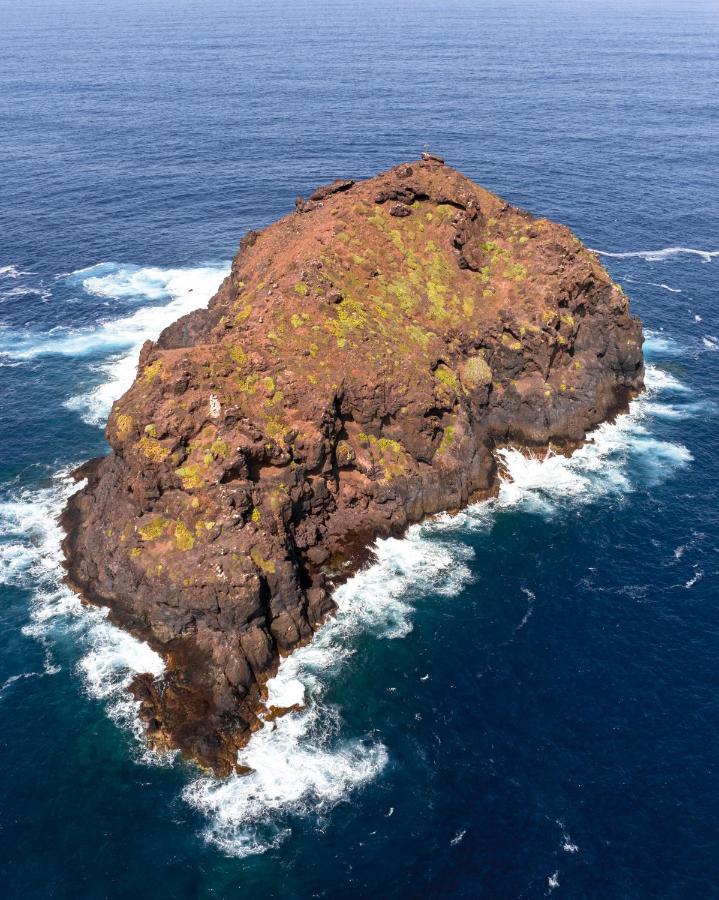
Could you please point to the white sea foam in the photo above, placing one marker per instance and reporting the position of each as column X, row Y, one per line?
column 660, row 382
column 13, row 679
column 31, row 557
column 615, row 456
column 660, row 255
column 658, row 344
column 300, row 762
column 666, row 287
column 697, row 576
column 531, row 597
column 119, row 340
column 185, row 289
column 546, row 483
column 301, row 766
column 12, row 271
column 143, row 284
column 43, row 293
column 670, row 411
column 568, row 844
column 15, row 559
column 188, row 289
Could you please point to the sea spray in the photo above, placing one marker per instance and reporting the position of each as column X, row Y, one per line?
column 30, row 533
column 189, row 289
column 662, row 254
column 163, row 296
column 31, row 557
column 301, row 764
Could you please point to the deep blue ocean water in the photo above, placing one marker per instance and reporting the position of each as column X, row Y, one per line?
column 518, row 702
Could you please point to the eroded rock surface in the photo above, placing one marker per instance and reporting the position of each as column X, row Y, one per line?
column 351, row 376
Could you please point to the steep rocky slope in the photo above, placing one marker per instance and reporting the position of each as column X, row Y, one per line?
column 351, row 376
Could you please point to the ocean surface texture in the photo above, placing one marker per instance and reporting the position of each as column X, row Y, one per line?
column 518, row 702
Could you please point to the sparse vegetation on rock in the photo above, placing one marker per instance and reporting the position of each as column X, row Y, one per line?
column 352, row 375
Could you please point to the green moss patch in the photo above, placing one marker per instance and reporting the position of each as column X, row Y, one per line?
column 476, row 372
column 447, row 377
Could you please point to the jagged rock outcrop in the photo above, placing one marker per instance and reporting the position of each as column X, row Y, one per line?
column 351, row 376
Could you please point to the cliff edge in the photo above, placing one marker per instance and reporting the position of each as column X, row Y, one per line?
column 351, row 376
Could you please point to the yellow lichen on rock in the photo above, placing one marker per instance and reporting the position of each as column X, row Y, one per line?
column 352, row 375
column 191, row 476
column 266, row 565
column 123, row 426
column 184, row 539
column 149, row 373
column 152, row 530
column 152, row 449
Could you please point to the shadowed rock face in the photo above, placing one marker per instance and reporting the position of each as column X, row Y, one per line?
column 351, row 376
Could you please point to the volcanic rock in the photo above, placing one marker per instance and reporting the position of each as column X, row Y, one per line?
column 352, row 375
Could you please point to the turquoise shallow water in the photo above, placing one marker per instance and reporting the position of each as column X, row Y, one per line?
column 517, row 702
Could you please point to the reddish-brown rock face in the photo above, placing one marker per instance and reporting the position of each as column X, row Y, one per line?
column 351, row 376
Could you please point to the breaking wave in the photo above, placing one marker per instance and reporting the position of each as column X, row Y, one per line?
column 31, row 558
column 658, row 344
column 12, row 271
column 661, row 255
column 666, row 287
column 302, row 765
column 118, row 340
column 187, row 290
column 617, row 456
column 30, row 534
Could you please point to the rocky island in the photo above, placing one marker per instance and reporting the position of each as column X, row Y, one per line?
column 352, row 375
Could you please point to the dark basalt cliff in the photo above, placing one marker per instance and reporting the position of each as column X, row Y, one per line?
column 351, row 376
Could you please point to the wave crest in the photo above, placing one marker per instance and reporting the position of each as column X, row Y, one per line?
column 31, row 558
column 12, row 271
column 661, row 255
column 300, row 765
